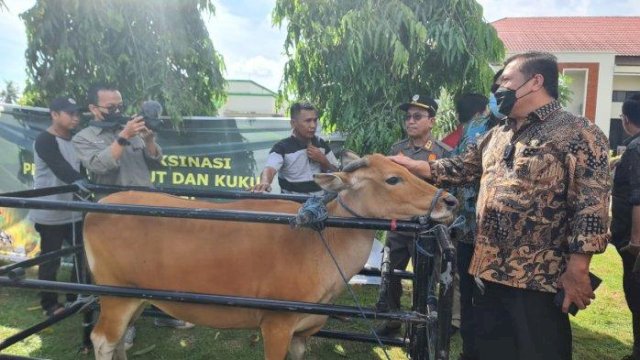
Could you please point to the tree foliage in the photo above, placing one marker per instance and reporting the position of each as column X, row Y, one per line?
column 358, row 59
column 564, row 89
column 10, row 94
column 148, row 49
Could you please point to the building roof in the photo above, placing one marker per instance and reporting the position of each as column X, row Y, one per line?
column 611, row 34
column 247, row 87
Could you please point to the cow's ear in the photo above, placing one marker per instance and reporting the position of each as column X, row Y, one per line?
column 330, row 182
column 347, row 157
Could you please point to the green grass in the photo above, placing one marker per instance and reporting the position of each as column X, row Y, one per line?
column 601, row 332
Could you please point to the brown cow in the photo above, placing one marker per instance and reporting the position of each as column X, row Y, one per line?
column 245, row 259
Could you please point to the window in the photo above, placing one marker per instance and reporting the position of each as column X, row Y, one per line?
column 621, row 95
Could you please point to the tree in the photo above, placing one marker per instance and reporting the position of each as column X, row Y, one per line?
column 148, row 49
column 10, row 94
column 564, row 89
column 358, row 59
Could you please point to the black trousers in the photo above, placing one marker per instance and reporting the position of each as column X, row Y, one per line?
column 631, row 287
column 400, row 252
column 518, row 324
column 467, row 285
column 51, row 239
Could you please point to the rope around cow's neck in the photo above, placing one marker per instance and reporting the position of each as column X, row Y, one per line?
column 353, row 294
column 313, row 214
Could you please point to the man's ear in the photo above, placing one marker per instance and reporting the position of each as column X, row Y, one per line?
column 538, row 81
column 330, row 182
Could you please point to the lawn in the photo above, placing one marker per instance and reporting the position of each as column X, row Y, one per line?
column 601, row 332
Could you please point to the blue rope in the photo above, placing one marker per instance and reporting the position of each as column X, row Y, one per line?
column 312, row 214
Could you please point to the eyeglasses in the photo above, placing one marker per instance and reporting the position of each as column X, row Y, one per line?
column 415, row 116
column 117, row 108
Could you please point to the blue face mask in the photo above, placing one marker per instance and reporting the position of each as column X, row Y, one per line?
column 493, row 106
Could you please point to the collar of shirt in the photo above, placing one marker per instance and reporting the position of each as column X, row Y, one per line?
column 628, row 140
column 540, row 114
column 315, row 142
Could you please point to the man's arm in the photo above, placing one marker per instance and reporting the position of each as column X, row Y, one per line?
column 152, row 151
column 462, row 169
column 46, row 147
column 275, row 161
column 266, row 177
column 97, row 157
column 588, row 201
column 318, row 155
column 634, row 181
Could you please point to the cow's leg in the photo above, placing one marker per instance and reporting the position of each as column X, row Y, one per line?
column 277, row 332
column 115, row 314
column 298, row 347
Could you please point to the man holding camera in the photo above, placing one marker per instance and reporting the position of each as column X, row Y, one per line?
column 114, row 149
column 119, row 150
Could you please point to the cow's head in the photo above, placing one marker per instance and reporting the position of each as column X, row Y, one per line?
column 375, row 186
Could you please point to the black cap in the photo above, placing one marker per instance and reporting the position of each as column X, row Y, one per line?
column 422, row 101
column 65, row 104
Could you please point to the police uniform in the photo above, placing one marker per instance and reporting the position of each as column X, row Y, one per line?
column 401, row 243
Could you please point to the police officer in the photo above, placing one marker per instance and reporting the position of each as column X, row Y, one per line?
column 625, row 224
column 419, row 145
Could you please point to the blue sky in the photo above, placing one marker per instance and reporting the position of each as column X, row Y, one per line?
column 252, row 48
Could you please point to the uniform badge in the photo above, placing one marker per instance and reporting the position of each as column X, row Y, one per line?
column 415, row 98
column 535, row 142
column 432, row 157
column 428, row 145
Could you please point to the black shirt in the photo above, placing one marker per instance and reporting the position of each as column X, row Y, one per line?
column 626, row 191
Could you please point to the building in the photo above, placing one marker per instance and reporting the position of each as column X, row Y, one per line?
column 246, row 98
column 600, row 56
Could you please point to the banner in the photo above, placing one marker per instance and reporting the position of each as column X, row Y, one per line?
column 206, row 153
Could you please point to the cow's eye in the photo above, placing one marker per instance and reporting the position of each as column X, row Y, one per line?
column 393, row 180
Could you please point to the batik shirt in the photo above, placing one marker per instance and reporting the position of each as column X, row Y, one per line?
column 544, row 195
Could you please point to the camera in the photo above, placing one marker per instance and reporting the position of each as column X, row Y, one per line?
column 151, row 111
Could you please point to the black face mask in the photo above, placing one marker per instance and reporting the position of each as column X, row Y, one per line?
column 506, row 98
column 115, row 117
column 111, row 119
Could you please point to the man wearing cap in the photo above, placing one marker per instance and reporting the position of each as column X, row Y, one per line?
column 419, row 145
column 57, row 164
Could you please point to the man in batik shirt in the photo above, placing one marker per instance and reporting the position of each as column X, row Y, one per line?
column 542, row 212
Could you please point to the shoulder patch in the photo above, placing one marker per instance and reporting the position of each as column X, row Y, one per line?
column 444, row 146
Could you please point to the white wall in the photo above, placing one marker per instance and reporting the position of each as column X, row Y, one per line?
column 244, row 86
column 249, row 105
column 605, row 82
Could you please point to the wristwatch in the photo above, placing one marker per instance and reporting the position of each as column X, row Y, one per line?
column 122, row 141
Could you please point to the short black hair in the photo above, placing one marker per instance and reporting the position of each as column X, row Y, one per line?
column 92, row 94
column 631, row 109
column 494, row 84
column 297, row 107
column 468, row 105
column 542, row 63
